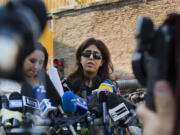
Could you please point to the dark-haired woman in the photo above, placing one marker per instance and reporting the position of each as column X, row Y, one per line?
column 93, row 66
column 37, row 83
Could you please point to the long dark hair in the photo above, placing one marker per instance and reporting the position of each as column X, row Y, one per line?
column 107, row 67
column 37, row 46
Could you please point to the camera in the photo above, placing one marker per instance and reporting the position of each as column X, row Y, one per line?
column 156, row 54
column 21, row 23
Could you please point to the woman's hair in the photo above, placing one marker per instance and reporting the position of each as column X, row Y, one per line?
column 29, row 49
column 104, row 71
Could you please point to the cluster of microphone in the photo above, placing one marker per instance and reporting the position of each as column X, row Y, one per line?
column 103, row 106
column 17, row 106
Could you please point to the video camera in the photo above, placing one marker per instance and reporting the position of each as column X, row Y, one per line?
column 157, row 54
column 21, row 23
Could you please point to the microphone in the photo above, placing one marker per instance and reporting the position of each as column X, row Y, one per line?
column 15, row 102
column 30, row 104
column 22, row 103
column 99, row 96
column 73, row 103
column 12, row 114
column 67, row 86
column 114, row 100
column 119, row 107
column 106, row 86
column 46, row 107
column 103, row 101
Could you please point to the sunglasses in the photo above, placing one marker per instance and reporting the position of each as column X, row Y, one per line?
column 88, row 53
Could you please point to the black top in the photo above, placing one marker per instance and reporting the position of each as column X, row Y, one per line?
column 51, row 91
column 79, row 86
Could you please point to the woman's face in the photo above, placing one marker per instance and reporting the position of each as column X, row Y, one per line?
column 91, row 59
column 33, row 63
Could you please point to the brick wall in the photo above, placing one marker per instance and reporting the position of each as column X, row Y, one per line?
column 114, row 23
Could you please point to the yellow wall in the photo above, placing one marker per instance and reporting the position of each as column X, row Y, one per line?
column 54, row 4
column 47, row 40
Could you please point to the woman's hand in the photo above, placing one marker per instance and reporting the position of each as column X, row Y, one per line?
column 162, row 121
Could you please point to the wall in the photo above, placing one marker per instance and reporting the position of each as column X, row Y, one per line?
column 47, row 40
column 114, row 23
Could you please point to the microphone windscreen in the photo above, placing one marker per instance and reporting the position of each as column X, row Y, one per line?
column 114, row 100
column 15, row 96
column 106, row 85
column 15, row 102
column 39, row 9
column 68, row 102
column 94, row 106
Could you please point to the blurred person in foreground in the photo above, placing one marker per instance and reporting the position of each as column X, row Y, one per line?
column 161, row 122
column 166, row 120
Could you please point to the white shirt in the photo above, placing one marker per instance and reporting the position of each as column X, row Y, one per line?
column 9, row 86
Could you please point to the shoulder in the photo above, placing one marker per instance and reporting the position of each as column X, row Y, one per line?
column 8, row 86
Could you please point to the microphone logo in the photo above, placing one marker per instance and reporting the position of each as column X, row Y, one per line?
column 30, row 102
column 106, row 85
column 118, row 112
column 15, row 104
column 46, row 107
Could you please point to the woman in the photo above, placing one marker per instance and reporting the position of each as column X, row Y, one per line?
column 37, row 83
column 93, row 66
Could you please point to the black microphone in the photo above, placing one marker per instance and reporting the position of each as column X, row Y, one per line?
column 103, row 100
column 12, row 115
column 22, row 103
column 120, row 108
column 99, row 96
column 114, row 100
column 15, row 102
column 94, row 106
column 67, row 86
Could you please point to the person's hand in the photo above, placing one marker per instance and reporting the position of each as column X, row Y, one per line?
column 162, row 121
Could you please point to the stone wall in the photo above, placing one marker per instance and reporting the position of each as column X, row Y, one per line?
column 114, row 23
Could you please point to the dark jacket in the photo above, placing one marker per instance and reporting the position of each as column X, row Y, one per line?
column 79, row 86
column 52, row 93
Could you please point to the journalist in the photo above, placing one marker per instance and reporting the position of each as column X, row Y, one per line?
column 36, row 81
